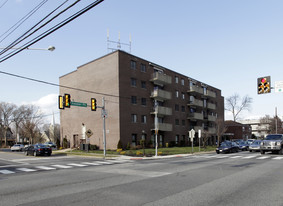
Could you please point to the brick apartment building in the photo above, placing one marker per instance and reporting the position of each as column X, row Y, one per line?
column 130, row 86
column 236, row 130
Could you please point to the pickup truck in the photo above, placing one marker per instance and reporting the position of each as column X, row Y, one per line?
column 272, row 143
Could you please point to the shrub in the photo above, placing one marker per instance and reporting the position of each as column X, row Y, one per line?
column 138, row 153
column 159, row 153
column 93, row 147
column 123, row 153
column 119, row 150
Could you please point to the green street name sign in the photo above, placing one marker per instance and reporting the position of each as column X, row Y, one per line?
column 79, row 104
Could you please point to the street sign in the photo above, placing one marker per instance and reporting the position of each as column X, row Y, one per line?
column 79, row 104
column 199, row 133
column 104, row 113
column 279, row 86
column 89, row 133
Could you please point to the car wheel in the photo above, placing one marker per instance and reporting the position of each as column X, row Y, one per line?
column 280, row 151
column 217, row 152
column 250, row 150
column 262, row 152
column 34, row 154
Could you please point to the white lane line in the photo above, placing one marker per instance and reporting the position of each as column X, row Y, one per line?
column 105, row 163
column 211, row 156
column 262, row 158
column 26, row 169
column 277, row 158
column 62, row 166
column 5, row 172
column 220, row 157
column 77, row 165
column 234, row 157
column 45, row 168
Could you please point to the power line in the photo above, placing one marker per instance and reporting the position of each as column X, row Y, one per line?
column 3, row 4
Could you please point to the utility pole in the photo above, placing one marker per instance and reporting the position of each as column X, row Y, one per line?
column 276, row 120
column 156, row 127
column 104, row 130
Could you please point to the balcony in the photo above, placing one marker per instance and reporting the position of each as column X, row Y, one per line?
column 211, row 118
column 197, row 128
column 160, row 79
column 196, row 103
column 165, row 127
column 163, row 111
column 195, row 116
column 161, row 95
column 195, row 89
column 209, row 94
column 211, row 106
column 211, row 130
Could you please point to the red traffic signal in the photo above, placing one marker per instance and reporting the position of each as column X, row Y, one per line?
column 264, row 85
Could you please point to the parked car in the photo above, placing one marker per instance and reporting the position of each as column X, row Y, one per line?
column 272, row 143
column 244, row 145
column 51, row 144
column 38, row 149
column 250, row 141
column 255, row 146
column 227, row 147
column 17, row 147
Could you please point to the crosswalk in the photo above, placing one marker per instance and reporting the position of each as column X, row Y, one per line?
column 222, row 156
column 60, row 166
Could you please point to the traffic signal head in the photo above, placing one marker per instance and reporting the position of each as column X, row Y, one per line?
column 264, row 85
column 93, row 104
column 67, row 102
column 61, row 102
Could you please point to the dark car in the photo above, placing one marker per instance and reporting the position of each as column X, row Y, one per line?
column 244, row 145
column 227, row 147
column 38, row 149
column 255, row 146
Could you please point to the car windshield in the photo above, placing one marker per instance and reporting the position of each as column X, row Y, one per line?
column 40, row 146
column 256, row 142
column 225, row 144
column 273, row 137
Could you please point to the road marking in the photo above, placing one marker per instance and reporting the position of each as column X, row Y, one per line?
column 62, row 166
column 234, row 157
column 220, row 157
column 211, row 156
column 249, row 157
column 277, row 158
column 119, row 161
column 26, row 169
column 90, row 163
column 262, row 158
column 5, row 172
column 45, row 168
column 77, row 165
column 105, row 163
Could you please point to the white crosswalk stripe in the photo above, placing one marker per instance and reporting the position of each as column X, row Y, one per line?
column 249, row 157
column 234, row 157
column 263, row 157
column 76, row 165
column 62, row 166
column 277, row 158
column 104, row 163
column 26, row 169
column 5, row 172
column 90, row 163
column 45, row 168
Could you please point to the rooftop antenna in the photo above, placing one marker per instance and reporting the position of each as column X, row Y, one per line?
column 111, row 44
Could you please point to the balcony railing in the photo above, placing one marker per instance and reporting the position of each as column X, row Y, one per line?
column 161, row 95
column 161, row 79
column 211, row 118
column 195, row 116
column 211, row 130
column 164, row 127
column 210, row 94
column 195, row 89
column 196, row 102
column 163, row 111
column 211, row 106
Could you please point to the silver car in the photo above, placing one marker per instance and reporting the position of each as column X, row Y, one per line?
column 17, row 147
column 272, row 143
column 255, row 146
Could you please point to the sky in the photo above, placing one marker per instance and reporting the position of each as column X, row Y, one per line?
column 225, row 44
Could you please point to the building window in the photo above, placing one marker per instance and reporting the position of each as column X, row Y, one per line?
column 183, row 82
column 183, row 95
column 143, row 68
column 134, row 100
column 134, row 118
column 205, row 91
column 176, row 107
column 177, row 139
column 176, row 79
column 183, row 109
column 183, row 122
column 143, row 119
column 143, row 84
column 204, row 103
column 177, row 93
column 143, row 101
column 133, row 64
column 177, row 122
column 133, row 82
column 134, row 140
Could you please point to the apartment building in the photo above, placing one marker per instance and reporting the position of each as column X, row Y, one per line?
column 131, row 87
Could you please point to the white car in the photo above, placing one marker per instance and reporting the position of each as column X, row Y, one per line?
column 17, row 147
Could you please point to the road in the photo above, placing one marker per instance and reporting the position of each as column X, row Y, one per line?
column 206, row 179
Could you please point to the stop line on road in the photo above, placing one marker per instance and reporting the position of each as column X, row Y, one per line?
column 258, row 157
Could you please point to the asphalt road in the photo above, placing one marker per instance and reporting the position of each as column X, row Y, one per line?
column 208, row 179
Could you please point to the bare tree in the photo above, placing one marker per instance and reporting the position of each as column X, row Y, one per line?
column 18, row 117
column 220, row 129
column 271, row 125
column 236, row 105
column 6, row 114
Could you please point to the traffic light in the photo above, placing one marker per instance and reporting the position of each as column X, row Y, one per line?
column 93, row 104
column 67, row 102
column 263, row 85
column 61, row 102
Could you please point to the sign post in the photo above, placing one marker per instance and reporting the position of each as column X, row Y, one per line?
column 199, row 138
column 192, row 136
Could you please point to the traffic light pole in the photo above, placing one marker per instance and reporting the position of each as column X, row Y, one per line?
column 104, row 130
